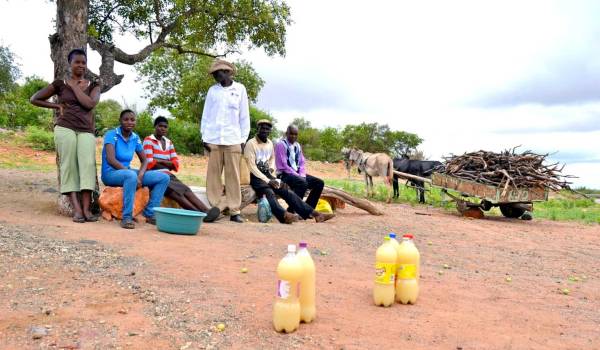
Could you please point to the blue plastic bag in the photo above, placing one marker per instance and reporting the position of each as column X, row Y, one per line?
column 263, row 211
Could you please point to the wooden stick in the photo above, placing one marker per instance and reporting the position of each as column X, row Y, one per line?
column 411, row 176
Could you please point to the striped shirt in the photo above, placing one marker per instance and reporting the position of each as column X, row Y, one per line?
column 153, row 149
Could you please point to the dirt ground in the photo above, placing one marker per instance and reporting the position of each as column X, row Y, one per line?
column 97, row 286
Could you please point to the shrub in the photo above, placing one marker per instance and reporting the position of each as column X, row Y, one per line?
column 39, row 138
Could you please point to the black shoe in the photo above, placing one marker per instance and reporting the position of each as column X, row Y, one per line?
column 212, row 214
column 236, row 218
column 151, row 220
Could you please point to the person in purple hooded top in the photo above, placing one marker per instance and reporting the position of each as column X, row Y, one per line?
column 291, row 168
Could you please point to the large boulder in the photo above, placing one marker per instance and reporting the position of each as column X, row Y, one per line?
column 111, row 202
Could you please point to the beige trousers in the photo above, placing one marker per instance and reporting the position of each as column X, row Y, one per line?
column 224, row 158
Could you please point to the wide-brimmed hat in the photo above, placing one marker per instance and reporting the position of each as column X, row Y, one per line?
column 264, row 121
column 221, row 64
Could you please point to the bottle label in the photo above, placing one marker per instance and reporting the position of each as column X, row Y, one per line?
column 407, row 271
column 385, row 273
column 284, row 289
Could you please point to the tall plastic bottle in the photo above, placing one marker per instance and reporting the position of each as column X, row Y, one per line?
column 407, row 286
column 308, row 310
column 385, row 271
column 286, row 311
column 394, row 242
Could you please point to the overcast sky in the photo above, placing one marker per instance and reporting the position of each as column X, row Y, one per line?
column 464, row 75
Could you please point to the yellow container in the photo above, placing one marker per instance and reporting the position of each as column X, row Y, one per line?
column 286, row 310
column 385, row 274
column 407, row 285
column 308, row 310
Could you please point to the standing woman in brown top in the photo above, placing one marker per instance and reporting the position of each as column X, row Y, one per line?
column 74, row 133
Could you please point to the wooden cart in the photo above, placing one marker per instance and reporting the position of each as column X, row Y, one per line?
column 513, row 202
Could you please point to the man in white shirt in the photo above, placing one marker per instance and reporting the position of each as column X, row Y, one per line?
column 225, row 127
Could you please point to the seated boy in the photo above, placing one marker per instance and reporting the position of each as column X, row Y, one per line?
column 161, row 155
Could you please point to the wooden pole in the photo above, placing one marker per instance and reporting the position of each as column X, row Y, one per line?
column 413, row 177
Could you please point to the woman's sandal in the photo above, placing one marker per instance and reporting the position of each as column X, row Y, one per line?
column 128, row 224
column 78, row 219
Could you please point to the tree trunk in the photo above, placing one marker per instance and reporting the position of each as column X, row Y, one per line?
column 71, row 33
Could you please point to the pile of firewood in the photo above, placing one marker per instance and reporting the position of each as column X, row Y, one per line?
column 506, row 169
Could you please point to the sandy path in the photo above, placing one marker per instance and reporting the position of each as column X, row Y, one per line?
column 469, row 306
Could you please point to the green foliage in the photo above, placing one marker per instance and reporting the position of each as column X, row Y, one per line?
column 179, row 83
column 331, row 143
column 326, row 144
column 16, row 111
column 9, row 70
column 258, row 114
column 185, row 136
column 373, row 137
column 195, row 24
column 144, row 125
column 39, row 138
column 106, row 114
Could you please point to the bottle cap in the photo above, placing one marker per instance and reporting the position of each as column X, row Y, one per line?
column 408, row 235
column 303, row 245
column 291, row 248
column 392, row 235
column 386, row 238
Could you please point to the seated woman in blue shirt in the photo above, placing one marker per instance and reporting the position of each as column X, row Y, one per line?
column 119, row 146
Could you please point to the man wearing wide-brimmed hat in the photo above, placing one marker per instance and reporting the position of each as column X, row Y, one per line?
column 225, row 127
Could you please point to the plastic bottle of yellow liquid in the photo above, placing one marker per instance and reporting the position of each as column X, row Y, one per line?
column 308, row 311
column 286, row 311
column 407, row 286
column 385, row 274
column 396, row 245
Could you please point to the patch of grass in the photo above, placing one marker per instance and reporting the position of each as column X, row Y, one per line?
column 20, row 162
column 192, row 180
column 565, row 207
column 568, row 209
column 433, row 196
column 39, row 138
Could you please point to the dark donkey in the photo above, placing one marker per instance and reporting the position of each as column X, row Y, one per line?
column 421, row 168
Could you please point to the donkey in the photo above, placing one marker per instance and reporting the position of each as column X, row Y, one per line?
column 422, row 168
column 371, row 164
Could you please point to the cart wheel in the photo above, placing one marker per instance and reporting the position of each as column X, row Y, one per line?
column 527, row 216
column 510, row 211
column 486, row 205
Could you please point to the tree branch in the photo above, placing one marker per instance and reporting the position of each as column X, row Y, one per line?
column 182, row 50
column 107, row 17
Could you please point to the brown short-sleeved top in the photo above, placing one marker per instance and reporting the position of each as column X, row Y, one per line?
column 75, row 116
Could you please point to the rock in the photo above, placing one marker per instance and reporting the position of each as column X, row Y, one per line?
column 132, row 334
column 50, row 190
column 38, row 332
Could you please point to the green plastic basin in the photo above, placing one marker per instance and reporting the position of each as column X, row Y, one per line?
column 178, row 221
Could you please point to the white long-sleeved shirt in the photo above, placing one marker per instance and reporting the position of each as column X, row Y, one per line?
column 226, row 115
